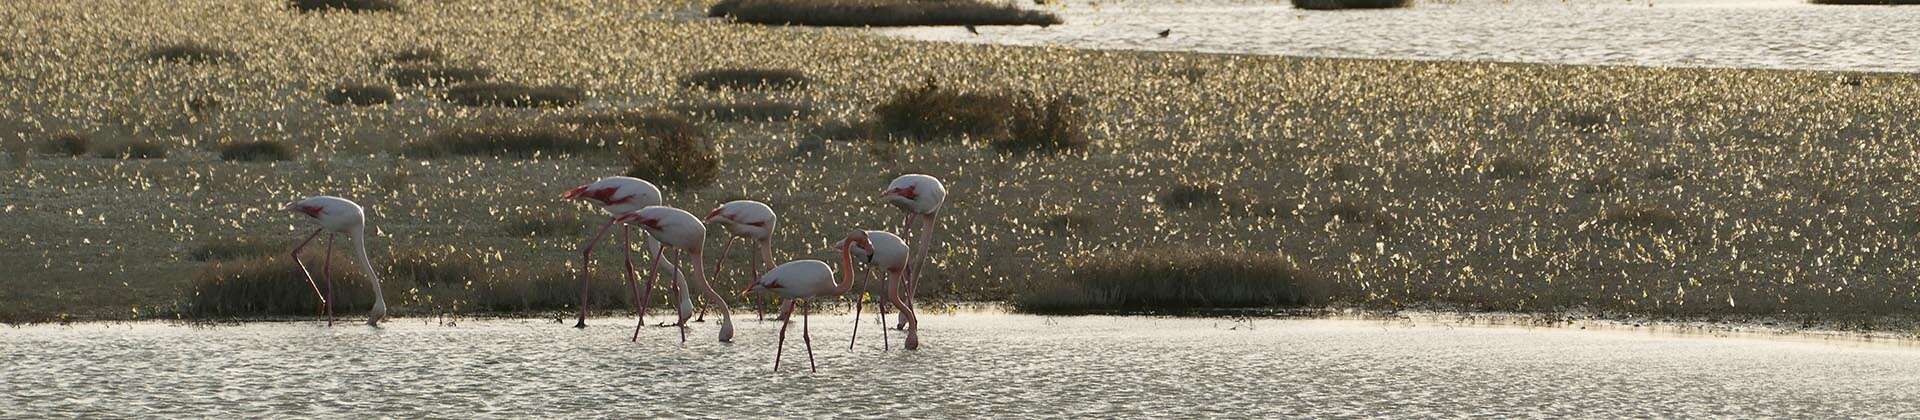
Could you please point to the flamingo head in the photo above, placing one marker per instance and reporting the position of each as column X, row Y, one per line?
column 602, row 196
column 856, row 241
column 637, row 219
column 306, row 209
column 717, row 216
column 908, row 192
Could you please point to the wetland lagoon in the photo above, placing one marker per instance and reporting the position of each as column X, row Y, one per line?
column 1462, row 158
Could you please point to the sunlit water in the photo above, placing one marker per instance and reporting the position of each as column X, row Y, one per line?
column 1702, row 33
column 974, row 365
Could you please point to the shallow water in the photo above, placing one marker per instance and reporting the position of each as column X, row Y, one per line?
column 973, row 365
column 1698, row 33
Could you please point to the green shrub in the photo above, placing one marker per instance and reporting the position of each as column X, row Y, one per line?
column 274, row 285
column 554, row 290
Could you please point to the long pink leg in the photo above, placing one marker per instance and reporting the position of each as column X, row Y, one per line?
column 806, row 337
column 926, row 244
column 785, row 309
column 906, row 312
column 717, row 264
column 859, row 297
column 886, row 343
column 303, row 268
column 586, row 269
column 326, row 274
column 646, row 293
column 633, row 280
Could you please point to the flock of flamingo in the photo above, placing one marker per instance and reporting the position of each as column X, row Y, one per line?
column 633, row 202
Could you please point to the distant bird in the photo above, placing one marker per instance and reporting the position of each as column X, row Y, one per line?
column 889, row 252
column 335, row 216
column 975, row 31
column 920, row 197
column 798, row 281
column 616, row 195
column 678, row 229
column 1165, row 32
column 754, row 221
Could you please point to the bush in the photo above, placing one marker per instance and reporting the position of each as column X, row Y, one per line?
column 556, row 290
column 274, row 285
column 1175, row 279
column 877, row 13
column 505, row 140
column 1188, row 197
column 673, row 156
column 1350, row 4
column 513, row 95
column 188, row 53
column 419, row 75
column 67, row 143
column 746, row 111
column 1043, row 125
column 633, row 119
column 255, row 151
column 717, row 79
column 416, row 55
column 360, row 95
column 138, row 149
column 1508, row 167
column 929, row 112
column 354, row 6
column 236, row 248
column 1641, row 217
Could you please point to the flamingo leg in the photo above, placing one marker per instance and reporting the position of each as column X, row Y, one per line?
column 926, row 244
column 717, row 264
column 858, row 298
column 303, row 267
column 326, row 274
column 807, row 338
column 886, row 343
column 646, row 293
column 633, row 281
column 906, row 312
column 586, row 269
column 785, row 309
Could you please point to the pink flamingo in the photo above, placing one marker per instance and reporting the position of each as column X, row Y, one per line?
column 798, row 281
column 616, row 195
column 889, row 252
column 678, row 229
column 754, row 221
column 335, row 216
column 920, row 196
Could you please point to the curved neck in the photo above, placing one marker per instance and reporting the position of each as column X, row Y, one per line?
column 846, row 266
column 366, row 265
column 766, row 255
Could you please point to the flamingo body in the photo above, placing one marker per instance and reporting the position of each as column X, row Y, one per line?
column 335, row 216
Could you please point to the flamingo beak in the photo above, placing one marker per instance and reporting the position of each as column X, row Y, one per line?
column 714, row 217
column 575, row 193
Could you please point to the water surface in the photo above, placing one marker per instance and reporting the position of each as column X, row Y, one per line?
column 1704, row 33
column 974, row 365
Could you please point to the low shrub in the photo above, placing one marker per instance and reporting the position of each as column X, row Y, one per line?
column 746, row 78
column 542, row 224
column 878, row 13
column 188, row 53
column 929, row 111
column 1350, row 4
column 138, row 149
column 67, row 143
column 1188, row 197
column 360, row 95
column 1175, row 280
column 1643, row 217
column 673, row 156
column 416, row 55
column 255, row 151
column 746, row 111
column 355, row 6
column 1043, row 125
column 236, row 248
column 419, row 75
column 513, row 95
column 553, row 290
column 274, row 285
column 523, row 140
column 427, row 268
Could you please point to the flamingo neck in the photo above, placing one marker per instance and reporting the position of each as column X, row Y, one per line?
column 366, row 265
column 846, row 266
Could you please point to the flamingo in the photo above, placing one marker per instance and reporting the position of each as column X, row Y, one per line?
column 679, row 229
column 798, row 281
column 335, row 216
column 753, row 221
column 616, row 195
column 920, row 197
column 889, row 252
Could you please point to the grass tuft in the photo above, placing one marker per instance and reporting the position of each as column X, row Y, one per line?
column 235, row 248
column 552, row 290
column 255, row 151
column 355, row 6
column 67, row 143
column 504, row 140
column 133, row 150
column 1188, row 197
column 929, row 111
column 188, row 53
column 1043, row 125
column 416, row 55
column 746, row 78
column 273, row 285
column 878, row 13
column 542, row 224
column 1175, row 280
column 360, row 95
column 419, row 75
column 1351, row 4
column 433, row 268
column 1642, row 217
column 1508, row 167
column 675, row 155
column 513, row 95
column 746, row 111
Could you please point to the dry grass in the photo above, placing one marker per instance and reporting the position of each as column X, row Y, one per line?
column 878, row 13
column 134, row 150
column 255, row 151
column 513, row 95
column 1865, row 2
column 67, row 143
column 426, row 75
column 416, row 55
column 679, row 155
column 508, row 139
column 1351, row 4
column 1175, row 280
column 746, row 79
column 273, row 286
column 1653, row 219
column 360, row 95
column 1043, row 125
column 929, row 112
column 236, row 248
column 189, row 53
column 543, row 224
column 355, row 6
column 551, row 290
column 746, row 111
column 431, row 268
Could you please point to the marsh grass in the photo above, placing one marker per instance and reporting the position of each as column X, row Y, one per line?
column 1038, row 124
column 551, row 290
column 746, row 79
column 434, row 74
column 1657, row 220
column 1350, row 4
column 878, row 13
column 355, row 6
column 273, row 285
column 525, row 139
column 542, row 224
column 360, row 95
column 514, row 95
column 416, row 55
column 255, row 151
column 930, row 112
column 673, row 155
column 430, row 268
column 66, row 143
column 746, row 111
column 1865, row 2
column 134, row 150
column 1511, row 168
column 188, row 53
column 1191, row 196
column 235, row 248
column 1175, row 280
